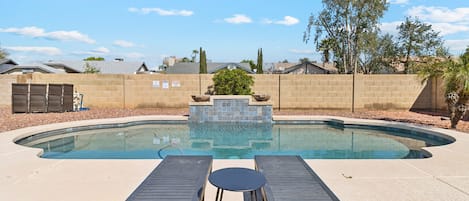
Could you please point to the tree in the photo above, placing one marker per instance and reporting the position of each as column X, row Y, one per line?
column 284, row 61
column 343, row 24
column 185, row 59
column 203, row 62
column 232, row 82
column 194, row 55
column 325, row 46
column 381, row 55
column 94, row 59
column 3, row 54
column 250, row 62
column 304, row 60
column 91, row 69
column 259, row 62
column 455, row 74
column 417, row 39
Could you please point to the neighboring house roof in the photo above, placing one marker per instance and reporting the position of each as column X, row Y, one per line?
column 105, row 67
column 7, row 61
column 6, row 65
column 30, row 68
column 325, row 68
column 283, row 66
column 193, row 68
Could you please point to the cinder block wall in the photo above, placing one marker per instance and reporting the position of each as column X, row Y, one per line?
column 287, row 91
column 315, row 91
column 392, row 92
column 5, row 89
column 103, row 91
column 267, row 84
column 144, row 91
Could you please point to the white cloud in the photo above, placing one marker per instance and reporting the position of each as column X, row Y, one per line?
column 457, row 46
column 297, row 51
column 442, row 19
column 134, row 55
column 123, row 43
column 288, row 21
column 399, row 2
column 101, row 50
column 54, row 35
column 390, row 27
column 238, row 19
column 25, row 31
column 35, row 49
column 443, row 28
column 161, row 12
column 440, row 14
column 69, row 36
column 447, row 28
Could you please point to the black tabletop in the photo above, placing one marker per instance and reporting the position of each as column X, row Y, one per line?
column 237, row 179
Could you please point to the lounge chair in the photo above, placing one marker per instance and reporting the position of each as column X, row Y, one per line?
column 289, row 178
column 176, row 178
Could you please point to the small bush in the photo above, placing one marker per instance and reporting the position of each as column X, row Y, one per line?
column 233, row 82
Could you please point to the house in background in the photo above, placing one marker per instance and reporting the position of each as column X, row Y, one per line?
column 8, row 66
column 278, row 68
column 193, row 68
column 311, row 68
column 105, row 67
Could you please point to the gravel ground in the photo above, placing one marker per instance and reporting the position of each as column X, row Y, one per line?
column 11, row 121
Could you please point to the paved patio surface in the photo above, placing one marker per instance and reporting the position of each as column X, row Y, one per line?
column 25, row 176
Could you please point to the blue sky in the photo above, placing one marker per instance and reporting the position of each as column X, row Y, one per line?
column 143, row 30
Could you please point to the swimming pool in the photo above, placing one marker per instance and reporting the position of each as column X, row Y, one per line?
column 156, row 139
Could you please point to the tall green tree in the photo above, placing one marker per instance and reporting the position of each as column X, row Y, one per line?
column 203, row 62
column 455, row 74
column 417, row 39
column 344, row 23
column 260, row 62
column 94, row 59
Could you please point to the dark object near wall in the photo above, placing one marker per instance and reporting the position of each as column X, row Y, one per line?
column 37, row 98
column 19, row 98
column 41, row 98
column 54, row 98
column 67, row 97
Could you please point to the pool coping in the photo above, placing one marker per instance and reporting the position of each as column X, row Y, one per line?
column 444, row 176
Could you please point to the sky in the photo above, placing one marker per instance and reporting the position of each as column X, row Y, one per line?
column 229, row 31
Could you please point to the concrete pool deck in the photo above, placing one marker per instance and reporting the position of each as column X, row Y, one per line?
column 25, row 176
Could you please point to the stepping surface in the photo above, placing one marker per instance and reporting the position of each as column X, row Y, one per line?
column 175, row 178
column 290, row 178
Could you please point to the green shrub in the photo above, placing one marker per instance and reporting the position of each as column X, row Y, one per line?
column 233, row 82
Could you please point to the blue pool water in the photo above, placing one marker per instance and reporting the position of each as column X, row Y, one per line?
column 232, row 141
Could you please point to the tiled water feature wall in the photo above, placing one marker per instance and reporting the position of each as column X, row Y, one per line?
column 231, row 109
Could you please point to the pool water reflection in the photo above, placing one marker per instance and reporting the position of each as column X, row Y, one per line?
column 233, row 141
